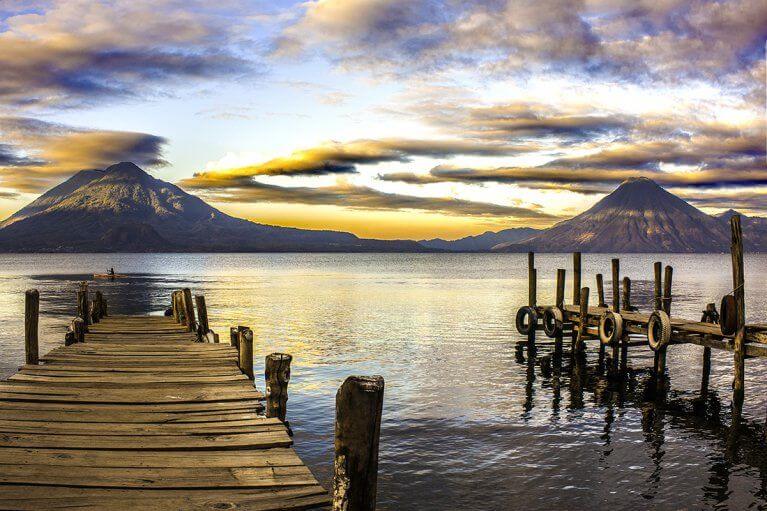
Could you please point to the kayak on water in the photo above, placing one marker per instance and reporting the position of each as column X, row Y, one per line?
column 108, row 276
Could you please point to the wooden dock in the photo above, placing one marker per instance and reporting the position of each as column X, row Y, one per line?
column 141, row 415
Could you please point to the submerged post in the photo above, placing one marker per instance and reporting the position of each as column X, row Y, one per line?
column 202, row 313
column 277, row 376
column 31, row 322
column 246, row 352
column 359, row 403
column 188, row 309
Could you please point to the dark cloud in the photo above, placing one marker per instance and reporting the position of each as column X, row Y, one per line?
column 355, row 197
column 75, row 52
column 37, row 153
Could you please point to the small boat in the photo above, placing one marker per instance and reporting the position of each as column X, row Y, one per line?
column 109, row 276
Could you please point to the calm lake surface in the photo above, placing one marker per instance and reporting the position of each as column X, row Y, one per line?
column 466, row 426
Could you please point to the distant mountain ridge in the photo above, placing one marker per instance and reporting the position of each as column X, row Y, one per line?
column 123, row 208
column 481, row 242
column 642, row 217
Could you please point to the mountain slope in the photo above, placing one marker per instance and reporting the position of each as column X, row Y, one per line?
column 124, row 208
column 481, row 242
column 639, row 216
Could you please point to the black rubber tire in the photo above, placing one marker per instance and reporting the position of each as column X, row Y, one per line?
column 728, row 315
column 610, row 328
column 528, row 313
column 658, row 330
column 553, row 317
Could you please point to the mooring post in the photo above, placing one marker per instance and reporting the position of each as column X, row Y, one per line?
column 616, row 306
column 660, row 355
column 532, row 279
column 560, row 303
column 31, row 322
column 601, row 291
column 78, row 329
column 277, row 376
column 176, row 306
column 202, row 313
column 738, row 281
column 234, row 337
column 583, row 320
column 708, row 317
column 100, row 305
column 667, row 276
column 188, row 309
column 359, row 403
column 657, row 268
column 82, row 303
column 576, row 278
column 246, row 352
column 624, row 342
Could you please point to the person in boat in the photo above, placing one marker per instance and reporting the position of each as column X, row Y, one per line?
column 112, row 272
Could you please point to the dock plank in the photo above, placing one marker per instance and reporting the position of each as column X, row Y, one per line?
column 142, row 416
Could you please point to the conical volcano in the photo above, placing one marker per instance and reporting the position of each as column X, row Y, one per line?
column 122, row 208
column 639, row 216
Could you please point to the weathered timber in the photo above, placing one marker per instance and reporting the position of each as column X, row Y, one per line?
column 739, row 374
column 277, row 376
column 188, row 307
column 583, row 320
column 576, row 278
column 359, row 403
column 82, row 303
column 616, row 306
column 657, row 270
column 600, row 291
column 78, row 329
column 202, row 314
column 560, row 303
column 626, row 299
column 738, row 274
column 176, row 306
column 245, row 360
column 31, row 325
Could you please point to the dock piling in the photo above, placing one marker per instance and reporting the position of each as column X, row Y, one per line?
column 626, row 299
column 657, row 267
column 188, row 309
column 82, row 303
column 31, row 323
column 78, row 329
column 245, row 359
column 576, row 278
column 600, row 291
column 583, row 320
column 560, row 303
column 616, row 306
column 277, row 376
column 359, row 403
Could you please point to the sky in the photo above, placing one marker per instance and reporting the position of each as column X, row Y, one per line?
column 390, row 119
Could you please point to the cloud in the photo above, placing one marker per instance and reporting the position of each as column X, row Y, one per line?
column 39, row 153
column 343, row 157
column 638, row 41
column 77, row 52
column 356, row 197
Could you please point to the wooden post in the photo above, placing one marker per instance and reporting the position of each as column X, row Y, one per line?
column 738, row 274
column 31, row 322
column 616, row 275
column 624, row 342
column 600, row 291
column 669, row 273
column 234, row 337
column 660, row 355
column 188, row 309
column 559, row 302
column 100, row 304
column 82, row 303
column 616, row 288
column 706, row 372
column 277, row 375
column 583, row 319
column 657, row 266
column 532, row 278
column 78, row 328
column 576, row 278
column 359, row 403
column 246, row 352
column 94, row 312
column 176, row 305
column 202, row 313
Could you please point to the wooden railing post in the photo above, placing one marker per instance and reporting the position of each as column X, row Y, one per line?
column 277, row 376
column 31, row 322
column 202, row 313
column 359, row 403
column 246, row 352
column 188, row 309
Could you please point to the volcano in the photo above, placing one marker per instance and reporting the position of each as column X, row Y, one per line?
column 123, row 208
column 639, row 216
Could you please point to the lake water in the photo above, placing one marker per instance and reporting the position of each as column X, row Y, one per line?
column 466, row 426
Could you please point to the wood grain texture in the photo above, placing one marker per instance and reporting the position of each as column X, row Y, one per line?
column 139, row 416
